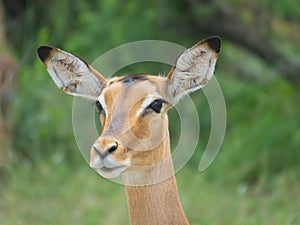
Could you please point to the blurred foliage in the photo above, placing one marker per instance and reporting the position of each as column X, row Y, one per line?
column 260, row 154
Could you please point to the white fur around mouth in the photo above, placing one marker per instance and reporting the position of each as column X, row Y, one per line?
column 110, row 172
column 108, row 167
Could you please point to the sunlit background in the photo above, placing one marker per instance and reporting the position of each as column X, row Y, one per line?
column 256, row 176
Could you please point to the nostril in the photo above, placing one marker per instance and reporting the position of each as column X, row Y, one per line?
column 112, row 148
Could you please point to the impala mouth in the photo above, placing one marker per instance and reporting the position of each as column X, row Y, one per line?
column 108, row 167
column 111, row 172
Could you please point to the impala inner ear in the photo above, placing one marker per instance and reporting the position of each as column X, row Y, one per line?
column 194, row 67
column 70, row 73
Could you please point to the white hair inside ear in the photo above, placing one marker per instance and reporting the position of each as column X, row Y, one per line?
column 71, row 74
column 194, row 68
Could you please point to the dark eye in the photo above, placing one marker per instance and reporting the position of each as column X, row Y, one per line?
column 99, row 106
column 156, row 105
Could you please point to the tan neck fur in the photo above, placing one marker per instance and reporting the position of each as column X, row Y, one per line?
column 158, row 203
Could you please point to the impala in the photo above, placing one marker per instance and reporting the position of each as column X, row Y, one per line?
column 133, row 109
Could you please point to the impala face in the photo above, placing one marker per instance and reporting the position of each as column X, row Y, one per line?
column 132, row 108
column 134, row 124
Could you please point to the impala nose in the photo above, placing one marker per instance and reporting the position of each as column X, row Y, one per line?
column 97, row 156
column 108, row 150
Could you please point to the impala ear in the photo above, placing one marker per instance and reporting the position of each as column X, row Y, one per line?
column 70, row 73
column 194, row 68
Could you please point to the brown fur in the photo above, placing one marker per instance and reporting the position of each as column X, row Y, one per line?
column 156, row 204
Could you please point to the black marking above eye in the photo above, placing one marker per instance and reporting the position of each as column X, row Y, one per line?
column 128, row 79
column 156, row 105
column 99, row 106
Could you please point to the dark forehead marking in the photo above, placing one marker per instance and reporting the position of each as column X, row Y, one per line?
column 128, row 79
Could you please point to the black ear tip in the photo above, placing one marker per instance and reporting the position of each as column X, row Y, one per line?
column 44, row 52
column 214, row 43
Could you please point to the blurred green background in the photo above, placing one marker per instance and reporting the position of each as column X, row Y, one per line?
column 256, row 176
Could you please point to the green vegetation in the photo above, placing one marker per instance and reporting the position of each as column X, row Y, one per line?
column 55, row 193
column 254, row 180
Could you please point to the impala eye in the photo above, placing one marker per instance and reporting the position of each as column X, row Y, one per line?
column 99, row 106
column 156, row 105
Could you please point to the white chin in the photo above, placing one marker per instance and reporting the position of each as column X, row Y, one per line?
column 110, row 172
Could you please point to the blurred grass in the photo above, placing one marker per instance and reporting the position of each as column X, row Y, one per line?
column 53, row 193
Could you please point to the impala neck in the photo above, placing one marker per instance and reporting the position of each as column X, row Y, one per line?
column 155, row 200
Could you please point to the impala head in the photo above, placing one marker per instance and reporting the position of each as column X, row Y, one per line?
column 132, row 108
